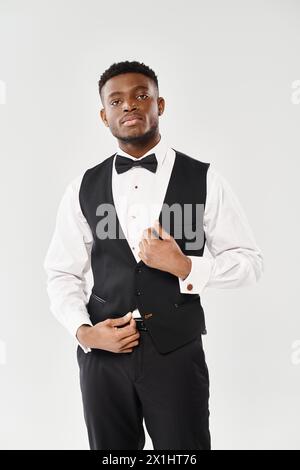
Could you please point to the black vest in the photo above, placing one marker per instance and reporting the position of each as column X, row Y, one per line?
column 120, row 283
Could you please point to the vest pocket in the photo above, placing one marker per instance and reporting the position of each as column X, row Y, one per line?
column 187, row 300
column 95, row 296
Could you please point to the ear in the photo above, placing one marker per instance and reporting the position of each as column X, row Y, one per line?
column 161, row 105
column 103, row 116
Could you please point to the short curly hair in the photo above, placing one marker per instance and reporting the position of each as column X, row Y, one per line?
column 126, row 67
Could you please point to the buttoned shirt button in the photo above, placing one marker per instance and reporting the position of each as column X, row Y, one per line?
column 189, row 286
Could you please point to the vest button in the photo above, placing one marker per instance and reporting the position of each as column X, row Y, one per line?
column 139, row 270
column 189, row 286
column 138, row 292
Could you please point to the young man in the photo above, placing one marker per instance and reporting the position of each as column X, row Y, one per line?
column 139, row 333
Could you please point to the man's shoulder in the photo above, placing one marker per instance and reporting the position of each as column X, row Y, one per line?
column 76, row 182
column 191, row 159
column 100, row 166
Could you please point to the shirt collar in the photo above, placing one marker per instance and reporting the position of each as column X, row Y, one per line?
column 160, row 150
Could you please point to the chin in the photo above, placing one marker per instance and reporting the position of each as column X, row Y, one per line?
column 133, row 136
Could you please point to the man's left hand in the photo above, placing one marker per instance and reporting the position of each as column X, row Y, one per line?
column 163, row 254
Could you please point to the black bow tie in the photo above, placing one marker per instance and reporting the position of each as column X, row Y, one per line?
column 123, row 164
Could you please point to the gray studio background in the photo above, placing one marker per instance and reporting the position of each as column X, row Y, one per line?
column 230, row 75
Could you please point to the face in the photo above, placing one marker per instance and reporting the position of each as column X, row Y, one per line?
column 131, row 106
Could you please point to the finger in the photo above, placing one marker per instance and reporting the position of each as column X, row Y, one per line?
column 127, row 331
column 147, row 234
column 161, row 231
column 131, row 326
column 120, row 321
column 130, row 345
column 143, row 244
column 151, row 233
column 155, row 234
column 126, row 351
column 125, row 341
column 143, row 258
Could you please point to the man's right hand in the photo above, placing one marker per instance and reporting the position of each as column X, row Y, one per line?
column 106, row 334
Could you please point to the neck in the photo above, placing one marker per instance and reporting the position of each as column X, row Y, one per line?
column 139, row 148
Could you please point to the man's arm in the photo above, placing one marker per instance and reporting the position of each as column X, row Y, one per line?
column 67, row 261
column 236, row 259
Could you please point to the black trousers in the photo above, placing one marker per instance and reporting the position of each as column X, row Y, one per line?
column 170, row 391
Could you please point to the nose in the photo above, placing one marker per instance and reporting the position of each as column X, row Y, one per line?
column 129, row 105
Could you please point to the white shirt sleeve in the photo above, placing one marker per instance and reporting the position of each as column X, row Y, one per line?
column 235, row 260
column 67, row 262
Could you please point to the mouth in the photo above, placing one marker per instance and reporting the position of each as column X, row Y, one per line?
column 131, row 120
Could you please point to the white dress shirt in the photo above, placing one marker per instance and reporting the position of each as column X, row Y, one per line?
column 233, row 258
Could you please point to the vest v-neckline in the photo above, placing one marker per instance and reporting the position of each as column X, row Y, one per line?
column 111, row 200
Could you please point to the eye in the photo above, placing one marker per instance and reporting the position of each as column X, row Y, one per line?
column 114, row 101
column 143, row 96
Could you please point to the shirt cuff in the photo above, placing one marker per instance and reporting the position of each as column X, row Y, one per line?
column 86, row 349
column 78, row 320
column 198, row 277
